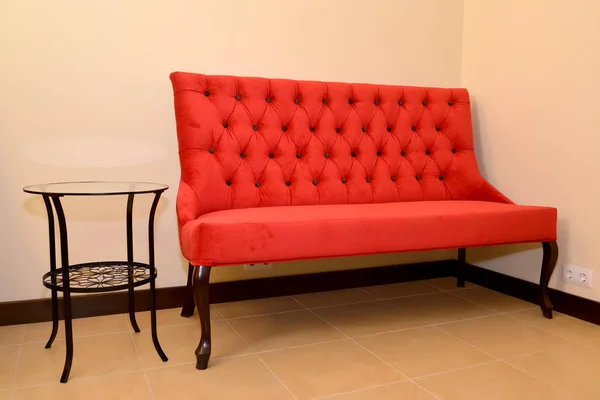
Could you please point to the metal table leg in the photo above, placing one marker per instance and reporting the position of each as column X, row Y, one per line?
column 52, row 268
column 151, row 262
column 134, row 324
column 64, row 258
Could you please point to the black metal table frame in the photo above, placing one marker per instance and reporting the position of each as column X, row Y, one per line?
column 58, row 279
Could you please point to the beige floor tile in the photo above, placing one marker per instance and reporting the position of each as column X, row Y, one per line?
column 368, row 318
column 494, row 300
column 442, row 307
column 574, row 368
column 278, row 331
column 8, row 362
column 423, row 351
column 4, row 395
column 448, row 283
column 328, row 368
column 101, row 325
column 333, row 298
column 11, row 334
column 495, row 381
column 257, row 307
column 172, row 316
column 93, row 356
column 236, row 378
column 402, row 289
column 40, row 332
column 396, row 391
column 131, row 386
column 180, row 341
column 503, row 336
column 572, row 329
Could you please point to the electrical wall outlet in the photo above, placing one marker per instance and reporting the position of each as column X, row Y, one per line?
column 256, row 267
column 577, row 275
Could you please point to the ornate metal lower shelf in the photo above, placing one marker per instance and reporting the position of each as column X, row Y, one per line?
column 101, row 276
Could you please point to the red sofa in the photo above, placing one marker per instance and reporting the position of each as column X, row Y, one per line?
column 278, row 170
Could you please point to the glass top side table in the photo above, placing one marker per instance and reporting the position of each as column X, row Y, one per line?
column 99, row 276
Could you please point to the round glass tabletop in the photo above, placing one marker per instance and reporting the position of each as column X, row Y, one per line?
column 95, row 188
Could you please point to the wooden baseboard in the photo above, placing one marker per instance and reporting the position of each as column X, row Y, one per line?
column 575, row 306
column 30, row 311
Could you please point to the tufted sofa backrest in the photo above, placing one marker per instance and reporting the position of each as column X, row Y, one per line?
column 254, row 142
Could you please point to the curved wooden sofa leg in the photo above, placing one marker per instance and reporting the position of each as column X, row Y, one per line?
column 548, row 263
column 201, row 278
column 188, row 301
column 461, row 267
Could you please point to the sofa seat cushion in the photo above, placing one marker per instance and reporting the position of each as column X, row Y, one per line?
column 266, row 234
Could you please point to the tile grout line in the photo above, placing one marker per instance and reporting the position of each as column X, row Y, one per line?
column 137, row 353
column 538, row 378
column 16, row 369
column 261, row 360
column 360, row 390
column 374, row 355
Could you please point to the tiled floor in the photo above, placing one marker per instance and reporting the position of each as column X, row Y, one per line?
column 413, row 341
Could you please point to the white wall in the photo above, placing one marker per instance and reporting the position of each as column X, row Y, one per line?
column 532, row 68
column 85, row 95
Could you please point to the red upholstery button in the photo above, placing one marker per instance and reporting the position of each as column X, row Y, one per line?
column 414, row 128
column 350, row 101
column 257, row 184
column 228, row 182
column 271, row 155
column 379, row 153
column 450, row 103
column 368, row 180
column 284, row 128
column 254, row 127
column 418, row 177
column 427, row 152
column 238, row 97
column 364, row 128
column 324, row 101
column 288, row 183
column 437, row 128
column 389, row 128
column 338, row 130
column 243, row 155
column 393, row 178
column 297, row 100
column 424, row 102
column 315, row 182
column 211, row 150
column 400, row 103
column 206, row 93
column 326, row 155
column 298, row 155
column 268, row 99
column 312, row 128
column 441, row 178
column 225, row 125
column 353, row 154
column 344, row 180
column 376, row 102
column 403, row 153
column 453, row 150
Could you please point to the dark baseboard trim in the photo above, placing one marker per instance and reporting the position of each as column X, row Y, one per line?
column 575, row 306
column 30, row 311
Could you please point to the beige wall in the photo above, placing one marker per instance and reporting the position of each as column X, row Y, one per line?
column 532, row 68
column 85, row 95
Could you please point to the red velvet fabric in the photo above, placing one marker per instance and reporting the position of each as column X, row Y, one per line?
column 264, row 160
